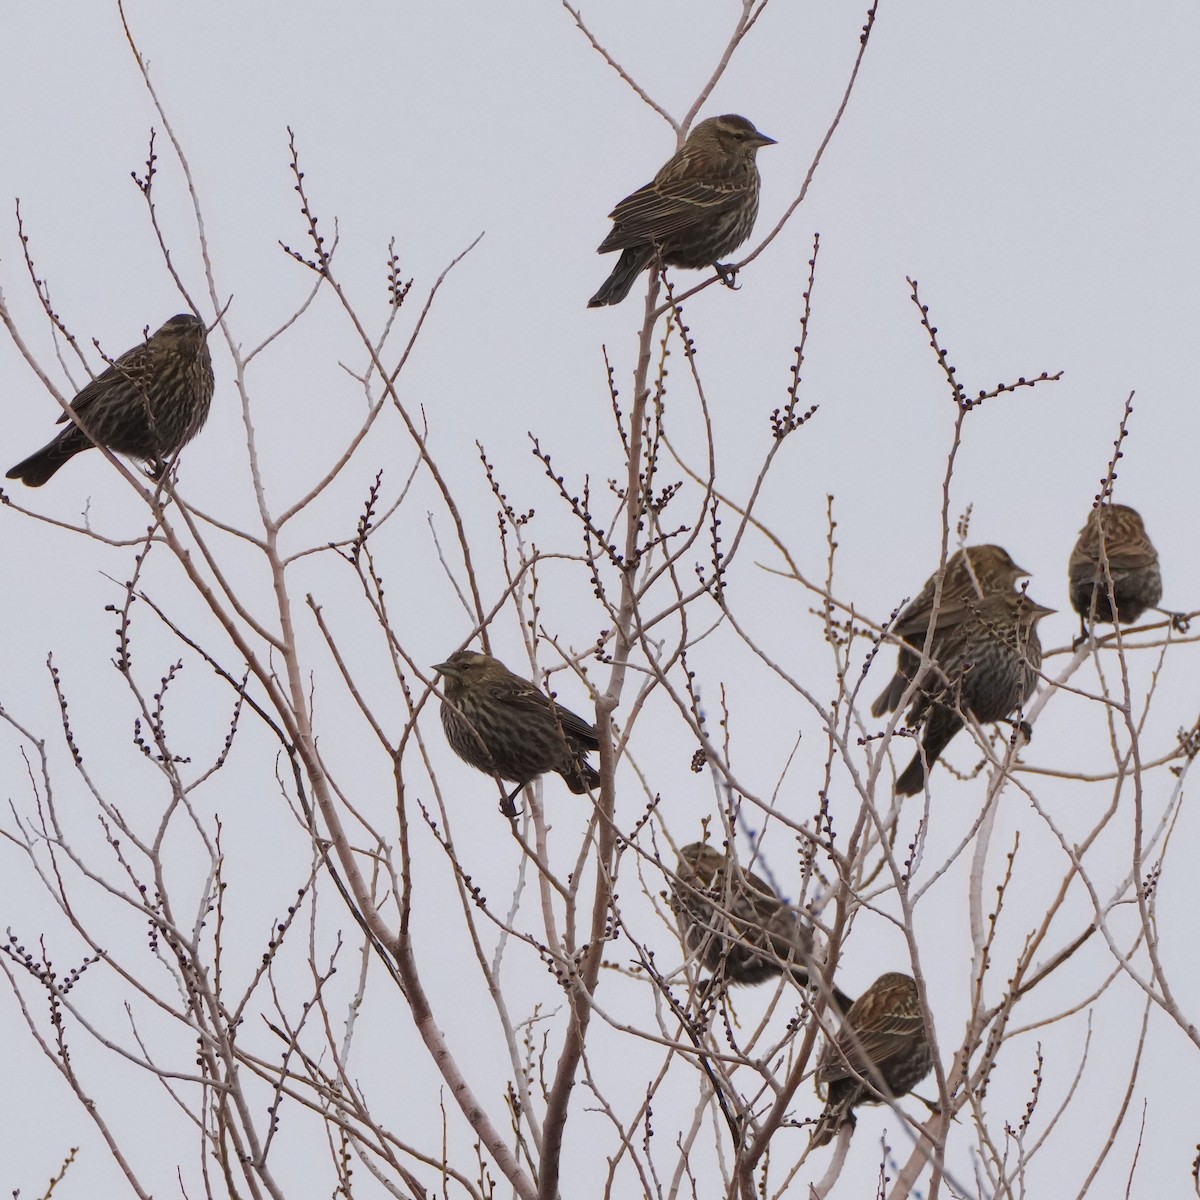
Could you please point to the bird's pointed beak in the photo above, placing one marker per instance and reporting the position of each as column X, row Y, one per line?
column 763, row 140
column 443, row 668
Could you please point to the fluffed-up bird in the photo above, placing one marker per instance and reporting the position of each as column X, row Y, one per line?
column 700, row 206
column 507, row 727
column 971, row 574
column 881, row 1051
column 985, row 665
column 1114, row 535
column 736, row 924
column 149, row 404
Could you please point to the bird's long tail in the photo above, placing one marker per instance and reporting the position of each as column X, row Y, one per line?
column 39, row 466
column 582, row 777
column 942, row 725
column 630, row 265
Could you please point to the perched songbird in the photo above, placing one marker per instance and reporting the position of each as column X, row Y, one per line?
column 503, row 725
column 735, row 923
column 881, row 1050
column 152, row 401
column 702, row 205
column 971, row 574
column 985, row 664
column 1132, row 567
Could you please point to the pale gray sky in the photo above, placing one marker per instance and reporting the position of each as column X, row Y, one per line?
column 1034, row 166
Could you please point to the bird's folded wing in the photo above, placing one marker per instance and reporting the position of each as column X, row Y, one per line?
column 660, row 210
column 524, row 696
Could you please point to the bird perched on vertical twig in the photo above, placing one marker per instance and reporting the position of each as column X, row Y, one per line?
column 985, row 664
column 971, row 574
column 736, row 924
column 1132, row 568
column 701, row 205
column 148, row 404
column 882, row 1050
column 504, row 726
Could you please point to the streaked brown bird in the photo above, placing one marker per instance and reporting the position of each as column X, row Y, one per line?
column 504, row 726
column 701, row 206
column 149, row 404
column 881, row 1051
column 985, row 664
column 1132, row 568
column 735, row 923
column 971, row 574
